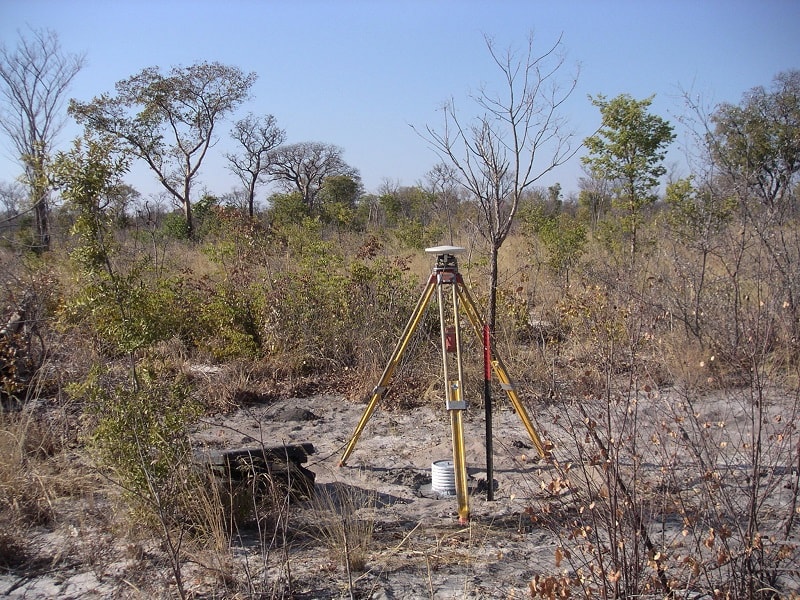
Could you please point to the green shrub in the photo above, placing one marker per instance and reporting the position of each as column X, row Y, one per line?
column 174, row 226
column 140, row 434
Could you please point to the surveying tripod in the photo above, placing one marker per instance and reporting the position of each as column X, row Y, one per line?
column 445, row 273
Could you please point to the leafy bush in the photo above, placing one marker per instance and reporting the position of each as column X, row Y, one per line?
column 175, row 227
column 140, row 435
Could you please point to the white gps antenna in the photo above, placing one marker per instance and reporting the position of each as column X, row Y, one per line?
column 452, row 250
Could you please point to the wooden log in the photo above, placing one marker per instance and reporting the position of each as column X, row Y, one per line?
column 280, row 466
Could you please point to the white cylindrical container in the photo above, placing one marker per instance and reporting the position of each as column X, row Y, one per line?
column 443, row 477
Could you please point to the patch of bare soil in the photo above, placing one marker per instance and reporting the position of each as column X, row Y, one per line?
column 418, row 549
column 401, row 540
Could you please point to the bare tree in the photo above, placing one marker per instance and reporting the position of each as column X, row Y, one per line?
column 174, row 126
column 258, row 137
column 34, row 79
column 519, row 137
column 305, row 166
column 11, row 200
column 12, row 197
column 442, row 182
column 594, row 197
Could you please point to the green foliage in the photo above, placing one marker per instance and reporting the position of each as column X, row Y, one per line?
column 342, row 216
column 337, row 201
column 119, row 310
column 406, row 204
column 174, row 226
column 122, row 313
column 88, row 175
column 229, row 321
column 610, row 233
column 413, row 234
column 756, row 142
column 324, row 313
column 287, row 209
column 629, row 150
column 141, row 432
column 205, row 214
column 562, row 235
column 309, row 315
column 695, row 215
column 383, row 294
column 630, row 146
column 565, row 239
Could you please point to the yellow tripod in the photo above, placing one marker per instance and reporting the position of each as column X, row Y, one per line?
column 445, row 273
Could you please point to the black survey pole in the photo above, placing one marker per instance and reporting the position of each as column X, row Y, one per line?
column 487, row 404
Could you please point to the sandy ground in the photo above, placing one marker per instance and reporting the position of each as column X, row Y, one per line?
column 421, row 550
column 418, row 549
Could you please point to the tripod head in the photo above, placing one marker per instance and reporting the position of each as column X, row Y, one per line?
column 445, row 257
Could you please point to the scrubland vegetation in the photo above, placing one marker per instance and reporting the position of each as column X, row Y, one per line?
column 99, row 396
column 620, row 311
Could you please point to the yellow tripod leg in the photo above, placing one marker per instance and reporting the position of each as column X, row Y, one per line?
column 469, row 307
column 383, row 385
column 460, row 465
column 454, row 399
column 511, row 392
column 500, row 371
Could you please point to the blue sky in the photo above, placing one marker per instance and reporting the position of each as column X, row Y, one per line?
column 359, row 73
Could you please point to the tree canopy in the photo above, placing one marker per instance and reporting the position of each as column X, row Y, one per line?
column 169, row 120
column 34, row 80
column 257, row 138
column 305, row 166
column 628, row 150
column 757, row 141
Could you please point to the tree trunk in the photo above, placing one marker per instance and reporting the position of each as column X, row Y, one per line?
column 493, row 277
column 251, row 197
column 42, row 222
column 187, row 204
column 187, row 211
column 39, row 196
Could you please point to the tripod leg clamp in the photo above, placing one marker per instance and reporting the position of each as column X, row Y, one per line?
column 454, row 399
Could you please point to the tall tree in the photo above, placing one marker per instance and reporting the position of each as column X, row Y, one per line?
column 629, row 150
column 168, row 120
column 594, row 198
column 757, row 144
column 518, row 138
column 257, row 137
column 305, row 166
column 442, row 182
column 756, row 147
column 34, row 79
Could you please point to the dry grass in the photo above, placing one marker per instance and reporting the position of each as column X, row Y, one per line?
column 618, row 337
column 341, row 521
column 35, row 473
column 24, row 491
